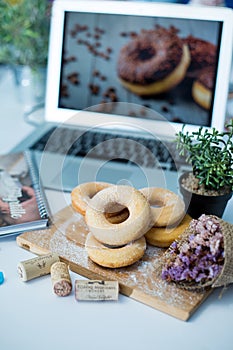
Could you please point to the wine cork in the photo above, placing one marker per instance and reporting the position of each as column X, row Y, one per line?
column 96, row 290
column 36, row 267
column 61, row 280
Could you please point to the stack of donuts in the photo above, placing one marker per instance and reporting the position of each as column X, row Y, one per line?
column 121, row 219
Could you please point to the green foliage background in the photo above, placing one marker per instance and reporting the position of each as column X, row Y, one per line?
column 24, row 32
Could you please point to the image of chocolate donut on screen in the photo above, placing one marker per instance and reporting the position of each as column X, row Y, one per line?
column 153, row 62
column 150, row 61
column 156, row 61
column 202, row 256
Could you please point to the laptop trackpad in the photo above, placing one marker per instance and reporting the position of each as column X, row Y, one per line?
column 112, row 172
column 64, row 173
column 73, row 171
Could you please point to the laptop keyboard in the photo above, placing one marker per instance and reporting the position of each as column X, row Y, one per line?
column 145, row 152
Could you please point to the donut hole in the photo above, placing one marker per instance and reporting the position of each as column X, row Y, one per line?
column 113, row 208
column 146, row 54
column 117, row 217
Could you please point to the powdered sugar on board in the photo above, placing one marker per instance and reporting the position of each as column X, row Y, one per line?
column 140, row 275
column 139, row 281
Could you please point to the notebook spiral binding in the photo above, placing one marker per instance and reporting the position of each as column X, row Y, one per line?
column 34, row 173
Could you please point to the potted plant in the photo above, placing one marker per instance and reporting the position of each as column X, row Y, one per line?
column 24, row 35
column 208, row 187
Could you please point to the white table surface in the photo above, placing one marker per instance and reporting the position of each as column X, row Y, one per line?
column 32, row 317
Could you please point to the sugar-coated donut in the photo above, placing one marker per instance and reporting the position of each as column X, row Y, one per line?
column 134, row 227
column 202, row 89
column 114, row 257
column 167, row 207
column 81, row 195
column 163, row 236
column 153, row 62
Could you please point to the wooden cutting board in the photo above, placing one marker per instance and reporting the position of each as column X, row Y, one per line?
column 140, row 281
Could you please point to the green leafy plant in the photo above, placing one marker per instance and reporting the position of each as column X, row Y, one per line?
column 210, row 154
column 24, row 32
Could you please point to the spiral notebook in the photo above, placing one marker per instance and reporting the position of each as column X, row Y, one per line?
column 23, row 205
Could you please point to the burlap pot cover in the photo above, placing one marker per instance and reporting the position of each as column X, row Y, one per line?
column 226, row 275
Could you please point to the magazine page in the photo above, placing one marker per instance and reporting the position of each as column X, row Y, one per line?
column 19, row 207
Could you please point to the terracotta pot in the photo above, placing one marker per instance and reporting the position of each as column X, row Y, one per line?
column 197, row 204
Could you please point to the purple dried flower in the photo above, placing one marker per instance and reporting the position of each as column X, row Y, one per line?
column 173, row 247
column 201, row 276
column 200, row 257
column 198, row 250
column 185, row 274
column 185, row 259
column 184, row 248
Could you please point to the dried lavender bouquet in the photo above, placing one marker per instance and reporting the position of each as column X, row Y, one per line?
column 202, row 257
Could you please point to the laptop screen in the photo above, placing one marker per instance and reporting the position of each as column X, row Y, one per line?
column 113, row 61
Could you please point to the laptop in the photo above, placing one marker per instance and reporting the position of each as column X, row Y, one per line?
column 107, row 122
